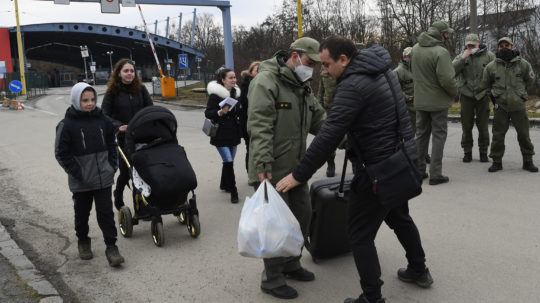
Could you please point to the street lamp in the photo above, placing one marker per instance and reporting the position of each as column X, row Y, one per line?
column 110, row 59
column 84, row 54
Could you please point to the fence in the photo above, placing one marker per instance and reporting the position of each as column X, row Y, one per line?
column 36, row 84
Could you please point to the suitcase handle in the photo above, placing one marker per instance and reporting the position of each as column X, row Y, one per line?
column 340, row 192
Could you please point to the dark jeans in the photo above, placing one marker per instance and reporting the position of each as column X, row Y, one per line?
column 365, row 218
column 104, row 213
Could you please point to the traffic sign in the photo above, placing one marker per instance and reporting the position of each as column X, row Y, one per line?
column 183, row 61
column 15, row 86
column 93, row 68
column 110, row 6
column 128, row 3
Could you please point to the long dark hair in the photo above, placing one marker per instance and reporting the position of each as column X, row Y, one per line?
column 222, row 74
column 113, row 85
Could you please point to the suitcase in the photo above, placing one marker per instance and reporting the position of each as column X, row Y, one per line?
column 328, row 235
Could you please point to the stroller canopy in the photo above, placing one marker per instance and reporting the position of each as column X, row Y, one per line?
column 151, row 124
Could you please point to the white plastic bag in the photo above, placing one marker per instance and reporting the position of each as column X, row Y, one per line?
column 268, row 229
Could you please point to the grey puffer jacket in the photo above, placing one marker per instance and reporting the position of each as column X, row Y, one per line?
column 85, row 147
column 364, row 108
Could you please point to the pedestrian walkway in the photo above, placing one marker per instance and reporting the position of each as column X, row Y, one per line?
column 20, row 281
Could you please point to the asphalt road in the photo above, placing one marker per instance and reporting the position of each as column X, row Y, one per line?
column 480, row 232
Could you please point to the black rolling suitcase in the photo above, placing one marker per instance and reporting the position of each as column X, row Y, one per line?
column 328, row 235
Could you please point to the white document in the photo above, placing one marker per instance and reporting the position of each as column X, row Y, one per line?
column 228, row 101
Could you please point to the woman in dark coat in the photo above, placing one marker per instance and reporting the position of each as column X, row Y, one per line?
column 229, row 131
column 125, row 96
column 247, row 76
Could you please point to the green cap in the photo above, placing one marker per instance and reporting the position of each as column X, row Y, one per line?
column 309, row 46
column 472, row 39
column 505, row 39
column 442, row 27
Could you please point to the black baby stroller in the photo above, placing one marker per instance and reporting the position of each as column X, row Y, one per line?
column 161, row 174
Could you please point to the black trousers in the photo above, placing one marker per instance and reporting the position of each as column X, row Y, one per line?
column 365, row 218
column 104, row 212
column 123, row 177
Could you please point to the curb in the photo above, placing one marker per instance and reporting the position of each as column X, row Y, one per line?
column 179, row 105
column 26, row 270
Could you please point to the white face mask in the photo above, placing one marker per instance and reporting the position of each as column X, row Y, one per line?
column 303, row 72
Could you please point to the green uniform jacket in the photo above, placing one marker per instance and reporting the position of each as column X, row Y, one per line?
column 281, row 113
column 469, row 73
column 434, row 83
column 327, row 85
column 508, row 82
column 405, row 77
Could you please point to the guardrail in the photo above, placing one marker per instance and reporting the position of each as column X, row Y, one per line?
column 36, row 84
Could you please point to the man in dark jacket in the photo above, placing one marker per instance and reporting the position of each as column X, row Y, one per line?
column 434, row 90
column 364, row 108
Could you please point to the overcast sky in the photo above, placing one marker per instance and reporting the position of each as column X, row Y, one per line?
column 244, row 12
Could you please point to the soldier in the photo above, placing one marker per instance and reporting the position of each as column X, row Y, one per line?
column 284, row 111
column 469, row 66
column 506, row 79
column 405, row 77
column 434, row 91
column 326, row 89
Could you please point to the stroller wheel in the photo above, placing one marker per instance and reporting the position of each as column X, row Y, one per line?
column 157, row 232
column 182, row 217
column 194, row 226
column 126, row 224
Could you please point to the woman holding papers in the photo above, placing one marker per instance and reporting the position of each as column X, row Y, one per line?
column 223, row 108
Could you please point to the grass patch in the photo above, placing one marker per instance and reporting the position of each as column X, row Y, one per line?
column 187, row 93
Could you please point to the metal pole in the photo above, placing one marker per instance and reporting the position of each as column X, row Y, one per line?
column 474, row 17
column 155, row 28
column 151, row 43
column 193, row 26
column 167, row 29
column 179, row 27
column 85, row 70
column 20, row 48
column 299, row 13
column 227, row 37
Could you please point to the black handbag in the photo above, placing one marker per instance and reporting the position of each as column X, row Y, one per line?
column 396, row 179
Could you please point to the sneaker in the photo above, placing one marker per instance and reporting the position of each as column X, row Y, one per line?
column 331, row 169
column 424, row 175
column 282, row 292
column 363, row 299
column 422, row 279
column 438, row 180
column 529, row 166
column 113, row 256
column 484, row 157
column 85, row 249
column 300, row 274
column 495, row 166
column 467, row 157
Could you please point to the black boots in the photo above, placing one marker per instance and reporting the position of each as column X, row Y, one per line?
column 529, row 166
column 113, row 256
column 495, row 166
column 229, row 181
column 222, row 183
column 467, row 157
column 484, row 157
column 85, row 249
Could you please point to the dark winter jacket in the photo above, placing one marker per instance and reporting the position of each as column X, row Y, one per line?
column 229, row 131
column 85, row 148
column 244, row 87
column 124, row 104
column 363, row 108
